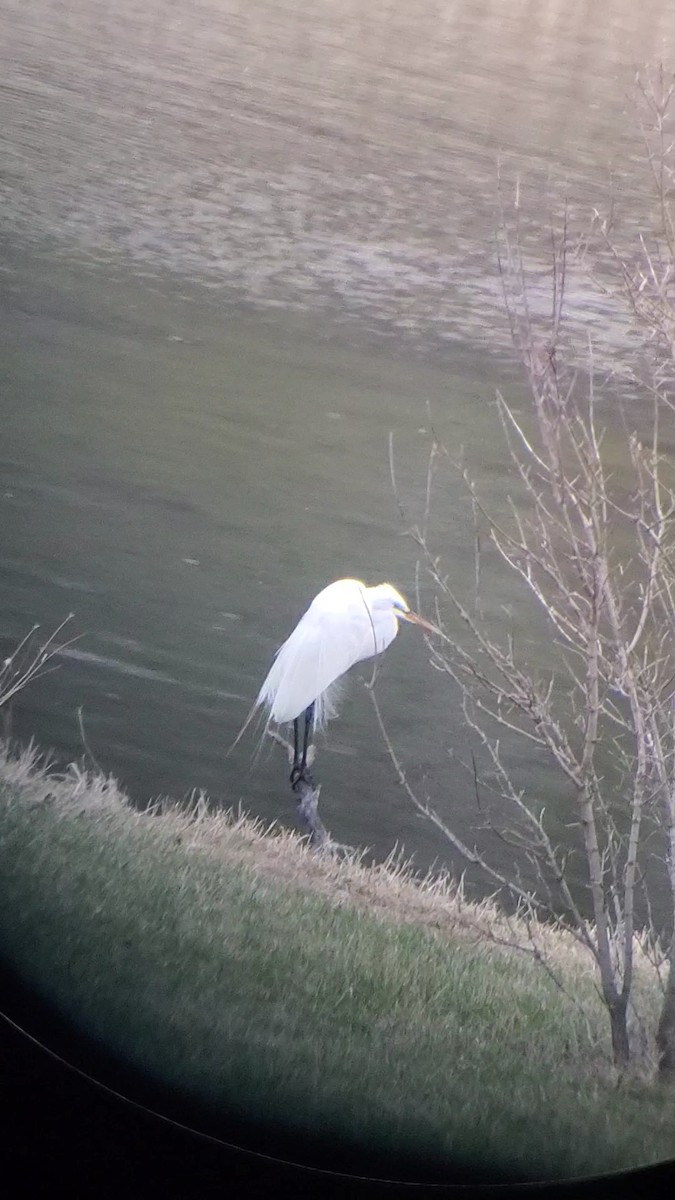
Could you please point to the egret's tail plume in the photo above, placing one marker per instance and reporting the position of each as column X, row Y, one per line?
column 327, row 704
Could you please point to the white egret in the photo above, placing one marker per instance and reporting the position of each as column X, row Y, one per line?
column 346, row 623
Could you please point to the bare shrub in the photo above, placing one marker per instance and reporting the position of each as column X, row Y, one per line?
column 32, row 658
column 590, row 535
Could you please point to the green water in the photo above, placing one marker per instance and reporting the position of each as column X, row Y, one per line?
column 244, row 244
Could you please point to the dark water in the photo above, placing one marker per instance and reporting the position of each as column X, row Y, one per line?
column 242, row 243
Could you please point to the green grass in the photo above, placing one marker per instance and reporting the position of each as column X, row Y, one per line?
column 235, row 966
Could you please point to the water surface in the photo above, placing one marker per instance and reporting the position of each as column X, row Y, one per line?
column 244, row 242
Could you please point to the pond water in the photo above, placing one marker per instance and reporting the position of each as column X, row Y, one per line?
column 243, row 243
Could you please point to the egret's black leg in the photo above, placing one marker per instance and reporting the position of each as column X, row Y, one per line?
column 299, row 768
column 309, row 717
column 296, row 751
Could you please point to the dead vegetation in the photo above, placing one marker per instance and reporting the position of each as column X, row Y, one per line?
column 588, row 532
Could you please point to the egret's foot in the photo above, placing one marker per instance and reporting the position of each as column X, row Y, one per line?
column 301, row 774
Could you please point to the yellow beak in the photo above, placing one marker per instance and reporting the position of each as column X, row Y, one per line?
column 415, row 619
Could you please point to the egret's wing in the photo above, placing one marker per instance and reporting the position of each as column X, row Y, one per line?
column 335, row 632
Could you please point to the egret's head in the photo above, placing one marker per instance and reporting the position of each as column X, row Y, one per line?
column 385, row 596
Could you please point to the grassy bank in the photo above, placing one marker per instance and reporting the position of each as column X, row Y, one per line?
column 233, row 965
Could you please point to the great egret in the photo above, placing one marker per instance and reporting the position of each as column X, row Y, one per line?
column 346, row 623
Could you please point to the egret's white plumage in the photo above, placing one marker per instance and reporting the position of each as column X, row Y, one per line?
column 346, row 623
